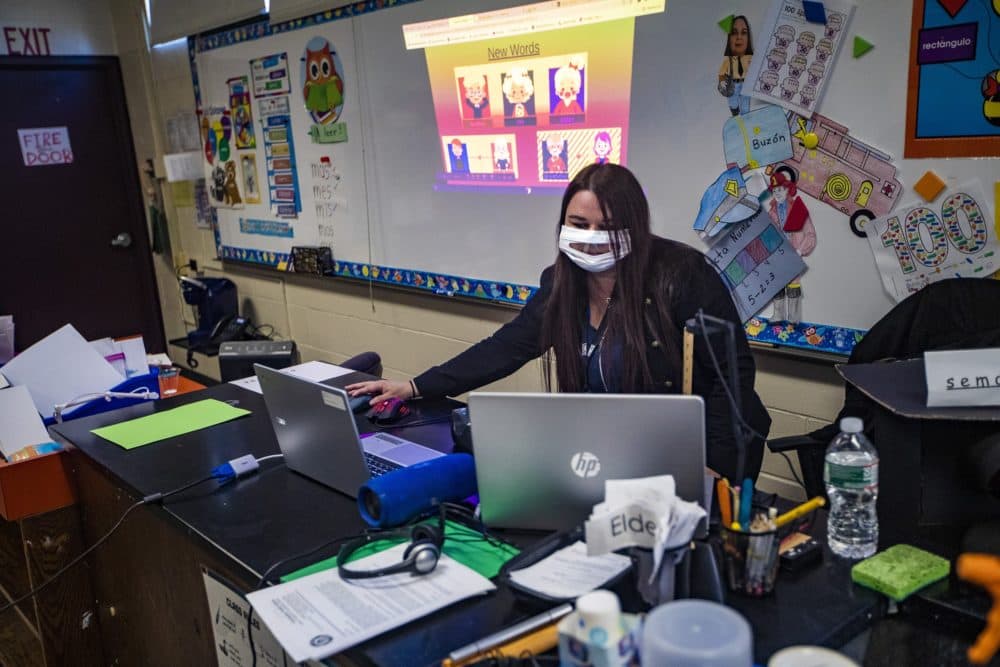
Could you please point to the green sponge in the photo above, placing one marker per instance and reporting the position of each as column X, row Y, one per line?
column 900, row 570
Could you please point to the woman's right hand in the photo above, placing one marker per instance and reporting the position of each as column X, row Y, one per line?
column 381, row 390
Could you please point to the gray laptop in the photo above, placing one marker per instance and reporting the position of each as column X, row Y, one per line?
column 542, row 459
column 319, row 438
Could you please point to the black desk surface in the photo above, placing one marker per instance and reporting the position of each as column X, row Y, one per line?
column 278, row 513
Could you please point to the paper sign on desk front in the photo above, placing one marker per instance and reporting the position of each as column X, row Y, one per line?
column 963, row 378
column 228, row 610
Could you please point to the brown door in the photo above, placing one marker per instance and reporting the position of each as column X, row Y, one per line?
column 73, row 241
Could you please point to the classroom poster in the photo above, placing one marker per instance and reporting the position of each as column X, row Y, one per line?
column 953, row 93
column 793, row 57
column 270, row 75
column 221, row 171
column 757, row 138
column 755, row 261
column 953, row 237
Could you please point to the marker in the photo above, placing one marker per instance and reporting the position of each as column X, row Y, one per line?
column 746, row 501
column 506, row 635
column 725, row 501
column 800, row 510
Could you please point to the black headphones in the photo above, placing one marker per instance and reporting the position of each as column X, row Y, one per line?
column 420, row 557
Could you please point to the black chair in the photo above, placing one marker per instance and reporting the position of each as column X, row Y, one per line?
column 953, row 314
column 366, row 362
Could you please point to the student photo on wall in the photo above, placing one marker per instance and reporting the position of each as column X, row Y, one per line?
column 735, row 65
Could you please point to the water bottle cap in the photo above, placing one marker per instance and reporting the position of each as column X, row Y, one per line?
column 851, row 425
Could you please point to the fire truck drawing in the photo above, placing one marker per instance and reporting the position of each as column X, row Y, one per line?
column 847, row 174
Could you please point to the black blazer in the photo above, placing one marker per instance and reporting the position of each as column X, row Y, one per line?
column 518, row 342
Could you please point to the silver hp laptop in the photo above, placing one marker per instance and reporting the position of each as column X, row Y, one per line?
column 317, row 434
column 542, row 459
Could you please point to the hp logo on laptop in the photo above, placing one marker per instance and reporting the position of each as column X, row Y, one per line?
column 585, row 464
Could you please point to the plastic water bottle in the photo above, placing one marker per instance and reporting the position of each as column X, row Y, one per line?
column 850, row 473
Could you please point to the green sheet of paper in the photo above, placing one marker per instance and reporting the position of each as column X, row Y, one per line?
column 162, row 425
column 462, row 543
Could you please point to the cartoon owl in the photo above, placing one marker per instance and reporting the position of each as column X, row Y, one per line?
column 324, row 90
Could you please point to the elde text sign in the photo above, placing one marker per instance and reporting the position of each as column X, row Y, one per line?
column 959, row 378
column 43, row 146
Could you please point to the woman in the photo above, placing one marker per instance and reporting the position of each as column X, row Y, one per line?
column 611, row 311
column 739, row 51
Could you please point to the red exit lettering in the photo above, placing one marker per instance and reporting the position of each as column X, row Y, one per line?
column 27, row 41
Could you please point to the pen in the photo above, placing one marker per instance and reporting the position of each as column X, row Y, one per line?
column 506, row 635
column 725, row 502
column 798, row 511
column 536, row 643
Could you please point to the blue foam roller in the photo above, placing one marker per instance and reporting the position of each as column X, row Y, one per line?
column 398, row 496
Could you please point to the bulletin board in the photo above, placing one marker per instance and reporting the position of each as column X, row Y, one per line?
column 380, row 178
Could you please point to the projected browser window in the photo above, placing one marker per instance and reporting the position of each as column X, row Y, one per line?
column 526, row 97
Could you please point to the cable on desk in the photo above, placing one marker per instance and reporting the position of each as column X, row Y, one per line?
column 148, row 500
column 225, row 473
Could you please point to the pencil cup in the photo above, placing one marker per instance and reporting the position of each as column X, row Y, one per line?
column 168, row 379
column 750, row 561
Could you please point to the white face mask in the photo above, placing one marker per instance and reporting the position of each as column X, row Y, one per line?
column 586, row 261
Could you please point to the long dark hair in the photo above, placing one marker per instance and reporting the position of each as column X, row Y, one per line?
column 749, row 52
column 624, row 205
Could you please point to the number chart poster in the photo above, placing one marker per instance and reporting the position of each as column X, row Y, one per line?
column 923, row 243
column 756, row 261
column 953, row 92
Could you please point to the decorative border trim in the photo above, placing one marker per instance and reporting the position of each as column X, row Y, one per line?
column 426, row 281
column 804, row 335
column 264, row 28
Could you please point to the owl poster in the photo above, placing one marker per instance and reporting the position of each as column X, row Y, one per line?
column 323, row 81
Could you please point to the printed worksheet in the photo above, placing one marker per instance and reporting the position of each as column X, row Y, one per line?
column 755, row 261
column 793, row 57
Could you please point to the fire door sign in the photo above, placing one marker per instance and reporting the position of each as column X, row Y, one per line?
column 43, row 146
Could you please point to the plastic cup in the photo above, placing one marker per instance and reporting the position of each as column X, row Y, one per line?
column 750, row 561
column 696, row 633
column 168, row 379
column 809, row 656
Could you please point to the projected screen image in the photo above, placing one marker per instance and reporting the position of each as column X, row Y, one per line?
column 526, row 112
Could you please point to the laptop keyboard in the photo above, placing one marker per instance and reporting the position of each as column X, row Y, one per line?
column 378, row 466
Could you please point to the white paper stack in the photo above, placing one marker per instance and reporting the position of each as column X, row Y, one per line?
column 60, row 367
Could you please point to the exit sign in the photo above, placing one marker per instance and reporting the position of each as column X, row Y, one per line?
column 27, row 41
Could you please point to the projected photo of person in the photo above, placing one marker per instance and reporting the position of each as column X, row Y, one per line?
column 602, row 147
column 474, row 90
column 566, row 94
column 519, row 97
column 554, row 153
column 501, row 156
column 458, row 158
